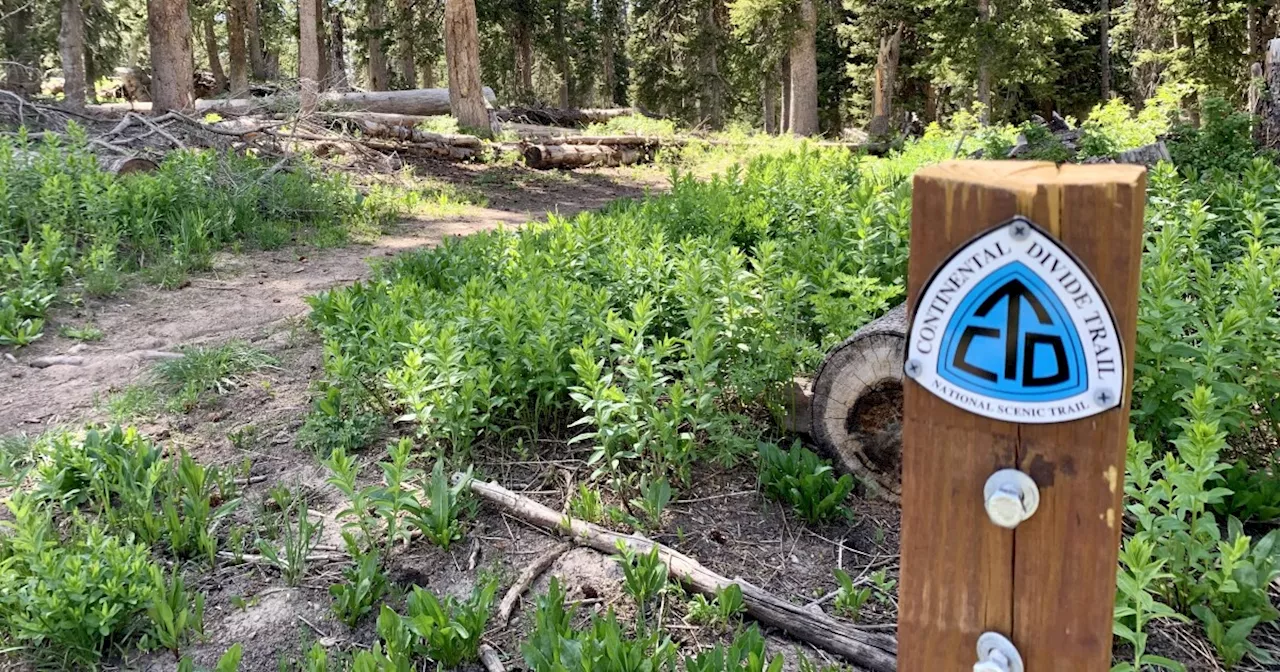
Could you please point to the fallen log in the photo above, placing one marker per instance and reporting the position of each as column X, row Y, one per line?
column 374, row 129
column 856, row 410
column 615, row 140
column 543, row 157
column 550, row 116
column 874, row 651
column 387, row 118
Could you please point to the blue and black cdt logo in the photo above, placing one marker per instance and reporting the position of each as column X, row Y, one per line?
column 1012, row 339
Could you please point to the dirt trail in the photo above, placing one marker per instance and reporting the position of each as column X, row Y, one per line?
column 253, row 297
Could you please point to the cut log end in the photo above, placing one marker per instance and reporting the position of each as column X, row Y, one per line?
column 856, row 412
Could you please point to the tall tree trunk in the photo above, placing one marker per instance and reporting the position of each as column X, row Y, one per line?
column 90, row 75
column 253, row 42
column 308, row 56
column 71, row 49
column 784, row 76
column 930, row 103
column 1150, row 34
column 886, row 78
column 236, row 56
column 172, row 72
column 610, row 18
column 324, row 77
column 522, row 36
column 405, row 28
column 1185, row 39
column 211, row 50
column 710, row 95
column 984, row 65
column 377, row 51
column 337, row 53
column 21, row 54
column 1104, row 48
column 462, row 59
column 568, row 96
column 427, row 73
column 804, row 73
column 769, row 101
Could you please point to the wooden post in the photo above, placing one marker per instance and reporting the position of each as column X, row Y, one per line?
column 1049, row 584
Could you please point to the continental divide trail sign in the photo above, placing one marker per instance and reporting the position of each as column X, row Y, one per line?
column 1022, row 305
column 1011, row 327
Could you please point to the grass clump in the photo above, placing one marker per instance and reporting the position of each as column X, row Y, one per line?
column 206, row 370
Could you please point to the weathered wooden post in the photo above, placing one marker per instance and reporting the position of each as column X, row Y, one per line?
column 1023, row 287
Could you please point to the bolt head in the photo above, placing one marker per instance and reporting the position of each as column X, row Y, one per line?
column 1019, row 230
column 989, row 666
column 1005, row 507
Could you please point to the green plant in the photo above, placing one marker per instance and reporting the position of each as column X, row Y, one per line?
column 438, row 519
column 655, row 494
column 587, row 505
column 365, row 583
column 296, row 543
column 393, row 500
column 88, row 332
column 228, row 662
column 336, row 422
column 448, row 632
column 1223, row 579
column 745, row 653
column 344, row 471
column 885, row 586
column 1255, row 495
column 722, row 611
column 65, row 598
column 805, row 481
column 644, row 578
column 849, row 598
column 174, row 612
column 1140, row 572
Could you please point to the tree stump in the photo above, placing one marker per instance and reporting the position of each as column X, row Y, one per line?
column 856, row 412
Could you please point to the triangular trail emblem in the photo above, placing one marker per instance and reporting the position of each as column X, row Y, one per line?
column 1012, row 327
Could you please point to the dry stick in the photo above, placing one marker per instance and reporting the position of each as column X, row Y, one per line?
column 875, row 651
column 490, row 659
column 527, row 577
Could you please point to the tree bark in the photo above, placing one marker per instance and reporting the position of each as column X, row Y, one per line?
column 71, row 49
column 308, row 56
column 769, row 102
column 804, row 73
column 568, row 96
column 462, row 58
column 324, row 77
column 211, row 50
column 253, row 41
column 710, row 96
column 172, row 72
column 423, row 102
column 886, row 77
column 1104, row 49
column 22, row 57
column 522, row 36
column 784, row 121
column 405, row 27
column 427, row 73
column 377, row 53
column 984, row 67
column 236, row 55
column 337, row 54
column 610, row 17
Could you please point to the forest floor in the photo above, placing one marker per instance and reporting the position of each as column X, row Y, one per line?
column 259, row 298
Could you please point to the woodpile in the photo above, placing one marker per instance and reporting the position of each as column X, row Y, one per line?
column 581, row 152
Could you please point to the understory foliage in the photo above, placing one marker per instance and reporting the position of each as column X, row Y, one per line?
column 69, row 228
column 642, row 332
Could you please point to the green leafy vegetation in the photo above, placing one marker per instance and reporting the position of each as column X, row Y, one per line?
column 805, row 481
column 364, row 583
column 205, row 370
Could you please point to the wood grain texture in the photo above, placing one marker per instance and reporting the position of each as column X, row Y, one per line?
column 1048, row 585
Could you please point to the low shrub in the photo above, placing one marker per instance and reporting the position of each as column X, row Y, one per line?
column 805, row 481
